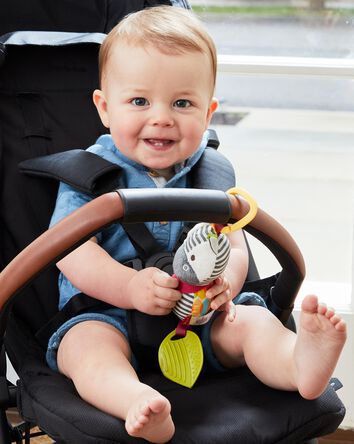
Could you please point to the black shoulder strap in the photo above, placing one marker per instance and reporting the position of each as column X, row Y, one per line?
column 213, row 171
column 142, row 240
column 81, row 169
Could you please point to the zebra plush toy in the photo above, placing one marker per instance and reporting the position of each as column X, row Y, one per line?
column 201, row 258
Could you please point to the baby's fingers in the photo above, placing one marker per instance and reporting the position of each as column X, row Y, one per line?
column 220, row 299
column 218, row 287
column 231, row 311
column 165, row 304
column 167, row 294
column 166, row 298
column 163, row 279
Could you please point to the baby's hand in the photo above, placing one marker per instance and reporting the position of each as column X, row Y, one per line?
column 220, row 296
column 153, row 291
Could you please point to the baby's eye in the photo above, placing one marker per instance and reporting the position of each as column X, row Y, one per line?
column 139, row 101
column 182, row 103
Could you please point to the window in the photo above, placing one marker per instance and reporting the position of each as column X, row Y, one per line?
column 286, row 121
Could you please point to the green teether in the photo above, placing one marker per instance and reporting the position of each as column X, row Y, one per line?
column 181, row 359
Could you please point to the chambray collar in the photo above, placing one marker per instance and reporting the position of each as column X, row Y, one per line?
column 180, row 169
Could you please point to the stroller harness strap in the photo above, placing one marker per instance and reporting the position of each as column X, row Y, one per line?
column 91, row 174
column 85, row 171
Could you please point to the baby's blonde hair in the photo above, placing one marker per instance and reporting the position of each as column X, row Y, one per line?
column 171, row 30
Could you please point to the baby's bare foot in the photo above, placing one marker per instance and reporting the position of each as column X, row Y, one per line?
column 149, row 418
column 321, row 337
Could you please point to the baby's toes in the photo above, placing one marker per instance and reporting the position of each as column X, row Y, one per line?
column 322, row 309
column 130, row 426
column 143, row 420
column 330, row 313
column 137, row 419
column 142, row 415
column 334, row 319
column 144, row 409
column 341, row 326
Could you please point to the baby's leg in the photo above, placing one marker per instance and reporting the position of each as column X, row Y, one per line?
column 96, row 356
column 277, row 356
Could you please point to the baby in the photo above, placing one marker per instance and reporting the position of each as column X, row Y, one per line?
column 157, row 73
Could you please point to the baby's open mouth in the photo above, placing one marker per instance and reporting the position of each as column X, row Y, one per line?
column 159, row 143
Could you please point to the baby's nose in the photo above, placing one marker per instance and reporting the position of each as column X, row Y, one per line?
column 161, row 116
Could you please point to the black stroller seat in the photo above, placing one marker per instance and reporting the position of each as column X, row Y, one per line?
column 46, row 82
column 224, row 408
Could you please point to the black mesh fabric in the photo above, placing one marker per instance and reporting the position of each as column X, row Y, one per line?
column 35, row 120
column 219, row 410
column 66, row 15
column 225, row 408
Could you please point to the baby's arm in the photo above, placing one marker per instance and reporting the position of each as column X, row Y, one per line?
column 227, row 286
column 94, row 272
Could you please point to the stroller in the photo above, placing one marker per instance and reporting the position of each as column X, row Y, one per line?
column 46, row 80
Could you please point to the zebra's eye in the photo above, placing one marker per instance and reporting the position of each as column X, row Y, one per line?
column 185, row 267
column 192, row 257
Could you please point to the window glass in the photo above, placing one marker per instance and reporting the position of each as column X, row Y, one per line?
column 309, row 28
column 291, row 138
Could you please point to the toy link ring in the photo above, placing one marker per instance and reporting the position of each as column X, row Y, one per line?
column 249, row 216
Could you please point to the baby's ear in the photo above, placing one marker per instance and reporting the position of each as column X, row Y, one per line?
column 212, row 108
column 100, row 102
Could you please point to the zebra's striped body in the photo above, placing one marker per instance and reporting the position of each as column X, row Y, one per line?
column 201, row 258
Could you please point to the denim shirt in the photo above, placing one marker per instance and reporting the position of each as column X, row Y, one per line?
column 113, row 238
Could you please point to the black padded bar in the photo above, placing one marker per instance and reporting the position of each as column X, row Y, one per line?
column 95, row 174
column 51, row 38
column 142, row 205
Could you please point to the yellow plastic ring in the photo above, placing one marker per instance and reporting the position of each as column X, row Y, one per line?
column 249, row 216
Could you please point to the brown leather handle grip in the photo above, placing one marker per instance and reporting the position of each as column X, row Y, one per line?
column 58, row 240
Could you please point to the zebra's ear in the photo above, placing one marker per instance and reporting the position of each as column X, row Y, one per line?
column 214, row 244
column 199, row 227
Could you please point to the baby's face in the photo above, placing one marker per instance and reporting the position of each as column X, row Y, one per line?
column 157, row 106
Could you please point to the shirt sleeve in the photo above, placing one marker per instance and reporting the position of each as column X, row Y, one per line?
column 68, row 200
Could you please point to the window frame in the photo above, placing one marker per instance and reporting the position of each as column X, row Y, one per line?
column 294, row 67
column 286, row 66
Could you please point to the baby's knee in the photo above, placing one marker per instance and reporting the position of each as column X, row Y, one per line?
column 254, row 321
column 88, row 344
column 249, row 320
column 252, row 314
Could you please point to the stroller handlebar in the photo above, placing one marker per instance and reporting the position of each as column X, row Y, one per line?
column 135, row 205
